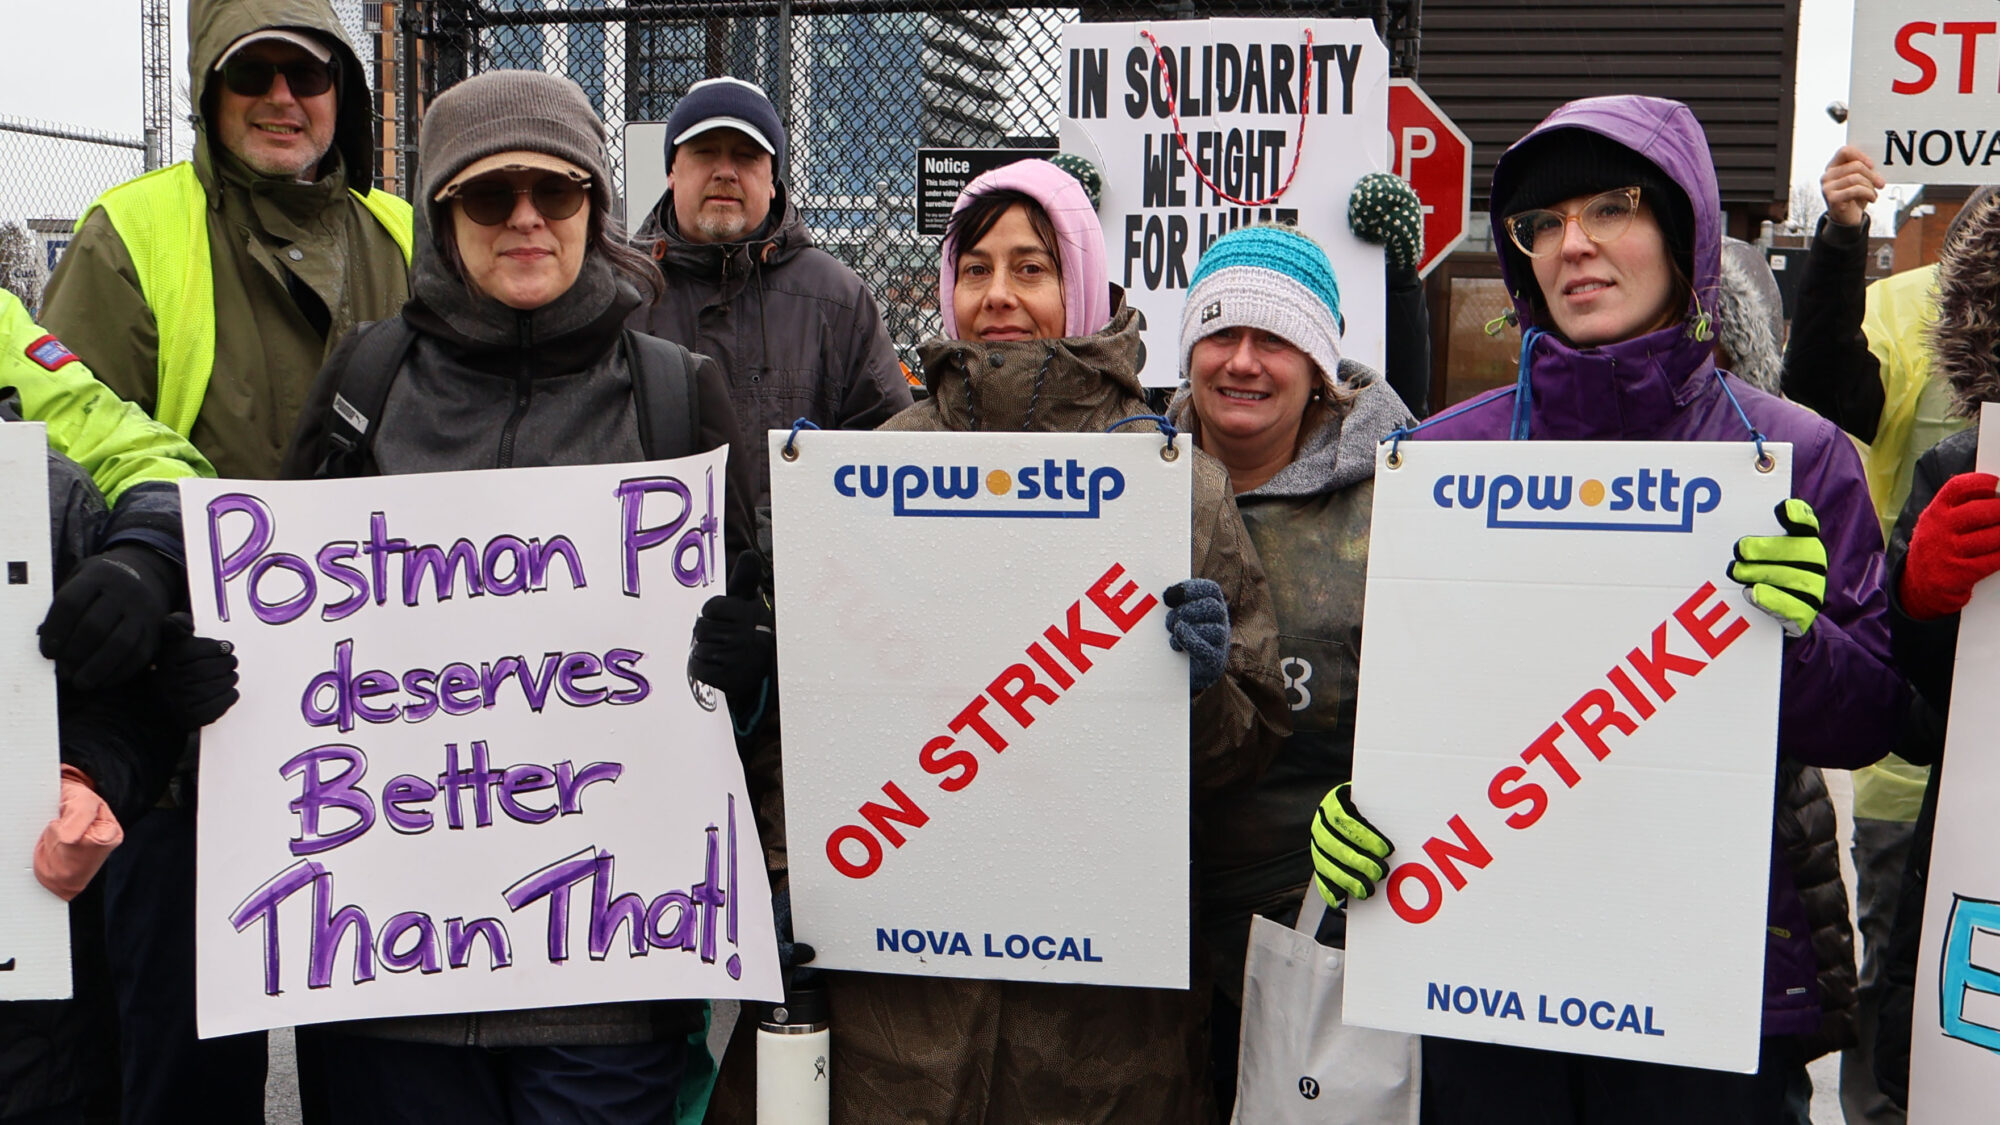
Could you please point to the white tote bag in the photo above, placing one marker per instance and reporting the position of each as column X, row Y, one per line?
column 1298, row 1063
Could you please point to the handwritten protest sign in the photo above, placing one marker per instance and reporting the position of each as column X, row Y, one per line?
column 1568, row 725
column 971, row 626
column 1955, row 1029
column 1921, row 93
column 34, row 924
column 468, row 771
column 1243, row 103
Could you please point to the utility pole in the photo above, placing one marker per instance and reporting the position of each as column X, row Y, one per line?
column 156, row 87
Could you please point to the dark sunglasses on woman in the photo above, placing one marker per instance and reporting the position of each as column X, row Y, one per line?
column 251, row 78
column 489, row 200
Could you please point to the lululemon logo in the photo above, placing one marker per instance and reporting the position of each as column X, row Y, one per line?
column 1308, row 1087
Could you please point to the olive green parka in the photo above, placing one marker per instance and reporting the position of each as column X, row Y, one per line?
column 277, row 248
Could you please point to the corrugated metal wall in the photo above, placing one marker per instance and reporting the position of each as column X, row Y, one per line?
column 1499, row 66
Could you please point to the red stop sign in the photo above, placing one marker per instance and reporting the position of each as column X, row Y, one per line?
column 1435, row 158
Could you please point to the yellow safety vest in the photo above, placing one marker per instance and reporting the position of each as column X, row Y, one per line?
column 162, row 217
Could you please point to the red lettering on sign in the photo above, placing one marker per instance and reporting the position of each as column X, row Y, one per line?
column 964, row 761
column 1112, row 604
column 1545, row 748
column 1653, row 669
column 1608, row 714
column 1702, row 626
column 1914, row 55
column 970, row 717
column 1713, row 627
column 1025, row 686
column 1503, row 798
column 1399, row 901
column 1968, row 49
column 1443, row 852
column 1071, row 641
column 957, row 766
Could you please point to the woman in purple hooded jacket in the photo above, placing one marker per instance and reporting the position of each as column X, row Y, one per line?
column 1607, row 217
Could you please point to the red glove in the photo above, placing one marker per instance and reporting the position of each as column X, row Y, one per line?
column 76, row 842
column 1956, row 543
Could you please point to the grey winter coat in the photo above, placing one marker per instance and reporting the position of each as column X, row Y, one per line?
column 797, row 333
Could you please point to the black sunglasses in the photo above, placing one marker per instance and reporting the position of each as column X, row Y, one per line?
column 251, row 78
column 489, row 201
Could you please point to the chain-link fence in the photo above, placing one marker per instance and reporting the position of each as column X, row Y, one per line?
column 48, row 174
column 860, row 85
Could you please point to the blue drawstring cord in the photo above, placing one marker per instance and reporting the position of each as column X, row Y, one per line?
column 1524, row 393
column 1166, row 428
column 791, row 448
column 1756, row 435
column 1519, row 428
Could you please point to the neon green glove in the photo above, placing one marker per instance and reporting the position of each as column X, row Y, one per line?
column 1347, row 850
column 1785, row 575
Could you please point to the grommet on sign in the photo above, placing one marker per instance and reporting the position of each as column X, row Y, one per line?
column 1765, row 462
column 790, row 452
column 1395, row 458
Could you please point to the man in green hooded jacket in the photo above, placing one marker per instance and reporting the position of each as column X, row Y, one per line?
column 209, row 293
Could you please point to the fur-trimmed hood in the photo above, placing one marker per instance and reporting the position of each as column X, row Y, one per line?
column 1750, row 316
column 1967, row 330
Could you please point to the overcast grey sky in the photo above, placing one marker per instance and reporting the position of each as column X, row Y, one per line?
column 77, row 62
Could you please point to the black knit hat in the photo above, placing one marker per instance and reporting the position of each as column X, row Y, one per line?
column 1565, row 163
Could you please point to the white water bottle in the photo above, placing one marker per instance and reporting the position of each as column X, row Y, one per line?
column 794, row 1048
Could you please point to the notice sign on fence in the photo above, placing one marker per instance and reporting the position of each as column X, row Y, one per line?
column 1568, row 726
column 972, row 624
column 1923, row 89
column 1197, row 130
column 942, row 174
column 468, row 771
column 34, row 924
column 1955, row 1033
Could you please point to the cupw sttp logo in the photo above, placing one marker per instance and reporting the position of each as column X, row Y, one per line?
column 1647, row 500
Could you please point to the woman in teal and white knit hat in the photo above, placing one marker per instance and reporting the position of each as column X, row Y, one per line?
column 1267, row 393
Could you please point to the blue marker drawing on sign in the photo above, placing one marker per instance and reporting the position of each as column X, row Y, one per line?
column 1960, row 976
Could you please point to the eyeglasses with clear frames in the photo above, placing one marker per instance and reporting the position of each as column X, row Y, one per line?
column 1604, row 218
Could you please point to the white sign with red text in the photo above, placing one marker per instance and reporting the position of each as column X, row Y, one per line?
column 34, row 924
column 1924, row 88
column 986, row 732
column 468, row 771
column 1210, row 125
column 1955, row 1029
column 1568, row 727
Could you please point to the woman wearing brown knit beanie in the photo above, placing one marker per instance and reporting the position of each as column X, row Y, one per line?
column 512, row 352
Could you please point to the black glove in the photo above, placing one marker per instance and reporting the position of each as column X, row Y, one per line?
column 103, row 625
column 792, row 955
column 735, row 639
column 196, row 676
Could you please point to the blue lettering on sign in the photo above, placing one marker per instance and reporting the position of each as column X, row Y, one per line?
column 1660, row 500
column 1962, row 976
column 1505, row 1004
column 1053, row 489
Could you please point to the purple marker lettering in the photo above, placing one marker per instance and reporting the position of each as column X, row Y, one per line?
column 224, row 567
column 318, row 792
column 553, row 883
column 607, row 914
column 262, row 905
column 631, row 503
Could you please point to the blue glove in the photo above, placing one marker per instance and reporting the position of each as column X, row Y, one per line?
column 1198, row 624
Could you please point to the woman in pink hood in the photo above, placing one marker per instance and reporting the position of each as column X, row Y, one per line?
column 1037, row 340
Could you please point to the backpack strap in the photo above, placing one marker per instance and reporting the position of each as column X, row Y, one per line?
column 372, row 362
column 663, row 395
